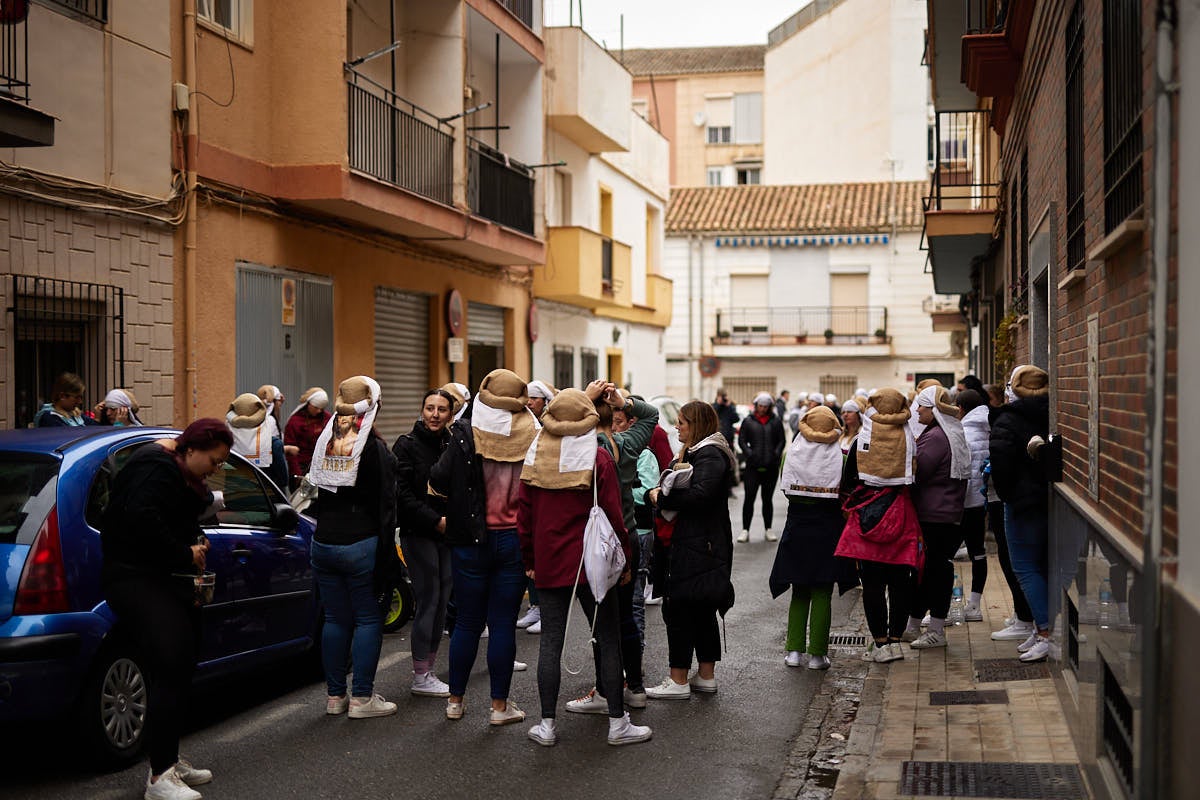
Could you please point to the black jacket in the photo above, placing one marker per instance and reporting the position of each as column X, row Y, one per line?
column 417, row 511
column 152, row 519
column 727, row 417
column 699, row 561
column 458, row 477
column 761, row 444
column 1019, row 480
column 366, row 509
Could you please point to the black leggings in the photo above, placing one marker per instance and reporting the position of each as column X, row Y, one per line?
column 755, row 478
column 974, row 528
column 631, row 638
column 691, row 629
column 1021, row 607
column 555, row 605
column 165, row 631
column 942, row 540
column 887, row 614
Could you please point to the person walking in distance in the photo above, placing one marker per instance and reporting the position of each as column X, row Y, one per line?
column 761, row 438
column 726, row 415
column 153, row 544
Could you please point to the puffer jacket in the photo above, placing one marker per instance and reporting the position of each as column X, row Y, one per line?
column 457, row 476
column 762, row 444
column 978, row 432
column 1019, row 480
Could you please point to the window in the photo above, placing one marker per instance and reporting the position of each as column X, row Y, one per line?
column 93, row 9
column 562, row 198
column 245, row 501
column 720, row 134
column 743, row 390
column 848, row 312
column 1122, row 111
column 564, row 366
column 840, row 386
column 749, row 176
column 718, row 111
column 22, row 477
column 1074, row 154
column 747, row 118
column 235, row 16
column 641, row 107
column 712, row 176
column 589, row 364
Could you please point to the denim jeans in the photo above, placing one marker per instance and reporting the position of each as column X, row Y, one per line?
column 353, row 624
column 489, row 581
column 1029, row 548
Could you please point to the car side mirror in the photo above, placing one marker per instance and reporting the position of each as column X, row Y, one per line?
column 285, row 517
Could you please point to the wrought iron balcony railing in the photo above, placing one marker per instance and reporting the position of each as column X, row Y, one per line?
column 14, row 57
column 964, row 174
column 521, row 9
column 985, row 16
column 499, row 188
column 803, row 325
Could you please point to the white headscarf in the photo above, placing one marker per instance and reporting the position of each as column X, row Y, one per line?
column 318, row 399
column 118, row 399
column 960, row 451
column 539, row 389
column 331, row 471
column 763, row 399
column 466, row 396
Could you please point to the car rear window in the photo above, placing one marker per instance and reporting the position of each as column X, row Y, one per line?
column 22, row 475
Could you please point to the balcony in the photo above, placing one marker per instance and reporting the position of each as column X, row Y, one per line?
column 993, row 45
column 945, row 313
column 660, row 297
column 821, row 326
column 946, row 24
column 599, row 122
column 21, row 125
column 399, row 142
column 521, row 9
column 585, row 268
column 961, row 207
column 499, row 188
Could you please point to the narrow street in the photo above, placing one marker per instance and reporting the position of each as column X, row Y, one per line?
column 270, row 738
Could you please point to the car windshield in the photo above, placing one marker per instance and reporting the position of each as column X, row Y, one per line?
column 22, row 475
column 670, row 412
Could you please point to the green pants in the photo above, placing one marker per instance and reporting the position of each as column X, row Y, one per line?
column 810, row 613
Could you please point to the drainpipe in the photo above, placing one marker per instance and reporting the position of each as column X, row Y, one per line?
column 1149, row 774
column 703, row 289
column 691, row 359
column 189, row 227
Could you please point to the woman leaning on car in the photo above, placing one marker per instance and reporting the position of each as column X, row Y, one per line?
column 152, row 543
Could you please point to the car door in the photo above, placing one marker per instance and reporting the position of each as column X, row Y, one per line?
column 269, row 573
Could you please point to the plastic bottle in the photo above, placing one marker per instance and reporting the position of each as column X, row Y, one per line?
column 958, row 614
column 1107, row 613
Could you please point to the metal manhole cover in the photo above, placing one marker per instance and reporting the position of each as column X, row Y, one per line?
column 995, row 670
column 972, row 697
column 847, row 640
column 997, row 779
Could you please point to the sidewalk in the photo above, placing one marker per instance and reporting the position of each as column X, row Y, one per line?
column 1009, row 739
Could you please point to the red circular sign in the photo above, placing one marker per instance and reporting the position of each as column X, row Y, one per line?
column 710, row 366
column 533, row 321
column 454, row 312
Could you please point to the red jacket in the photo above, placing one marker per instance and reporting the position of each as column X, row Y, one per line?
column 660, row 445
column 550, row 523
column 302, row 431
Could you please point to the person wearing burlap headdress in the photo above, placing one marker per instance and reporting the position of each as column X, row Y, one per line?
column 247, row 419
column 804, row 561
column 479, row 474
column 273, row 399
column 563, row 466
column 354, row 546
column 939, row 494
column 540, row 394
column 886, row 448
column 304, row 426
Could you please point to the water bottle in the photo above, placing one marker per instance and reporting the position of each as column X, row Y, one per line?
column 1104, row 619
column 958, row 614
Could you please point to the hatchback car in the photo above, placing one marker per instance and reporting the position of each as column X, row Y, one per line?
column 62, row 652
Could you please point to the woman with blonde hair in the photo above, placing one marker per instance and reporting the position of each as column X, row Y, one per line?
column 851, row 424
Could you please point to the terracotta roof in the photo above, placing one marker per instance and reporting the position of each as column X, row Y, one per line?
column 693, row 60
column 815, row 208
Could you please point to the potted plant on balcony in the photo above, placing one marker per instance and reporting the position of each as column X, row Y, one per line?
column 829, row 336
column 801, row 336
column 881, row 334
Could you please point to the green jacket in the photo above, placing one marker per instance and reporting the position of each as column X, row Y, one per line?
column 630, row 445
column 648, row 475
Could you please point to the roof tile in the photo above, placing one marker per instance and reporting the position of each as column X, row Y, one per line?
column 693, row 60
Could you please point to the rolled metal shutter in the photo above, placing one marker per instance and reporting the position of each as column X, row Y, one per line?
column 401, row 358
column 485, row 324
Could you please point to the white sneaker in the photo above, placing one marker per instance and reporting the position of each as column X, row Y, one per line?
column 544, row 733
column 818, row 662
column 535, row 627
column 910, row 635
column 454, row 710
column 1016, row 631
column 706, row 685
column 519, row 666
column 669, row 690
column 925, row 621
column 169, row 786
column 1038, row 651
column 591, row 703
column 872, row 649
column 887, row 653
column 973, row 613
column 744, row 536
column 191, row 775
column 771, row 537
column 795, row 658
column 509, row 715
column 635, row 699
column 1027, row 645
column 961, row 554
column 652, row 601
column 534, row 614
column 373, row 706
column 335, row 705
column 622, row 731
column 929, row 639
column 428, row 685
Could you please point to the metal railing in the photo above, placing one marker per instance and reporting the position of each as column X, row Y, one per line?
column 964, row 172
column 92, row 9
column 1122, row 112
column 800, row 20
column 984, row 16
column 499, row 188
column 398, row 141
column 14, row 60
column 802, row 325
column 521, row 9
column 606, row 264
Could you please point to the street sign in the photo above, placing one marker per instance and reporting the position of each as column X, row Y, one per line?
column 289, row 301
column 456, row 350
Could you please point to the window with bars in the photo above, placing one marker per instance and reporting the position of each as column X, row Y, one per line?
column 840, row 386
column 1122, row 111
column 1075, row 228
column 589, row 365
column 564, row 366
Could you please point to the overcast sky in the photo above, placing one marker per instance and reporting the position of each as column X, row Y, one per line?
column 675, row 23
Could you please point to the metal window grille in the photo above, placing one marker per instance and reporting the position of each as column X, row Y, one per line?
column 521, row 9
column 1118, row 728
column 840, row 386
column 564, row 366
column 499, row 188
column 1122, row 111
column 1074, row 91
column 800, row 325
column 589, row 365
column 64, row 326
column 984, row 16
column 92, row 9
column 963, row 173
column 14, row 61
column 606, row 264
column 742, row 390
column 1023, row 275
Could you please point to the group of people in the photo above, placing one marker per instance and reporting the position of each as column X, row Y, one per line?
column 66, row 408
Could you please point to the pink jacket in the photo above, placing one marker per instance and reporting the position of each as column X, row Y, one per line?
column 882, row 526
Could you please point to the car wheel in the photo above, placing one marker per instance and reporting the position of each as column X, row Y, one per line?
column 397, row 606
column 112, row 711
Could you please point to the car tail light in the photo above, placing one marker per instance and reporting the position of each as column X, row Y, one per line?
column 43, row 586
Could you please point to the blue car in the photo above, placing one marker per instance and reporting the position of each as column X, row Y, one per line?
column 62, row 652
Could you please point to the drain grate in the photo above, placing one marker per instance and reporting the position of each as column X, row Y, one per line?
column 996, row 779
column 972, row 697
column 994, row 670
column 847, row 640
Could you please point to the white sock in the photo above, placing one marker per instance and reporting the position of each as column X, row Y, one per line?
column 975, row 598
column 548, row 724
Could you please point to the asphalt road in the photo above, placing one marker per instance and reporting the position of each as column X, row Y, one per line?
column 268, row 736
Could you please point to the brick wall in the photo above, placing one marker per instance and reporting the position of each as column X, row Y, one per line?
column 76, row 245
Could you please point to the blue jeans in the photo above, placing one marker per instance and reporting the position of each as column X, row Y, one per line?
column 489, row 581
column 353, row 625
column 1029, row 549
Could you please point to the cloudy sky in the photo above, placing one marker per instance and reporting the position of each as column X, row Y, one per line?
column 675, row 23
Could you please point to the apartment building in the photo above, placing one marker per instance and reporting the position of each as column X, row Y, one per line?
column 365, row 194
column 1055, row 212
column 601, row 302
column 708, row 103
column 88, row 203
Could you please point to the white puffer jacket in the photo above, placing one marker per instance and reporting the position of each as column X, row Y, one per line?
column 978, row 431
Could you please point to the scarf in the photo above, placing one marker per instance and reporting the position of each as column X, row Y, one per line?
column 118, row 399
column 886, row 447
column 679, row 476
column 563, row 452
column 318, row 398
column 718, row 441
column 72, row 420
column 814, row 461
column 504, row 428
column 935, row 397
column 340, row 446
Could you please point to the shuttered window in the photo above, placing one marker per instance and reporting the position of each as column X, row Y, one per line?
column 401, row 358
column 747, row 118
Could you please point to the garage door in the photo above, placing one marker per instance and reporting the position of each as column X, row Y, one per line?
column 485, row 340
column 401, row 358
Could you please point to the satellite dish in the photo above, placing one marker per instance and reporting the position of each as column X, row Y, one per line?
column 699, row 119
